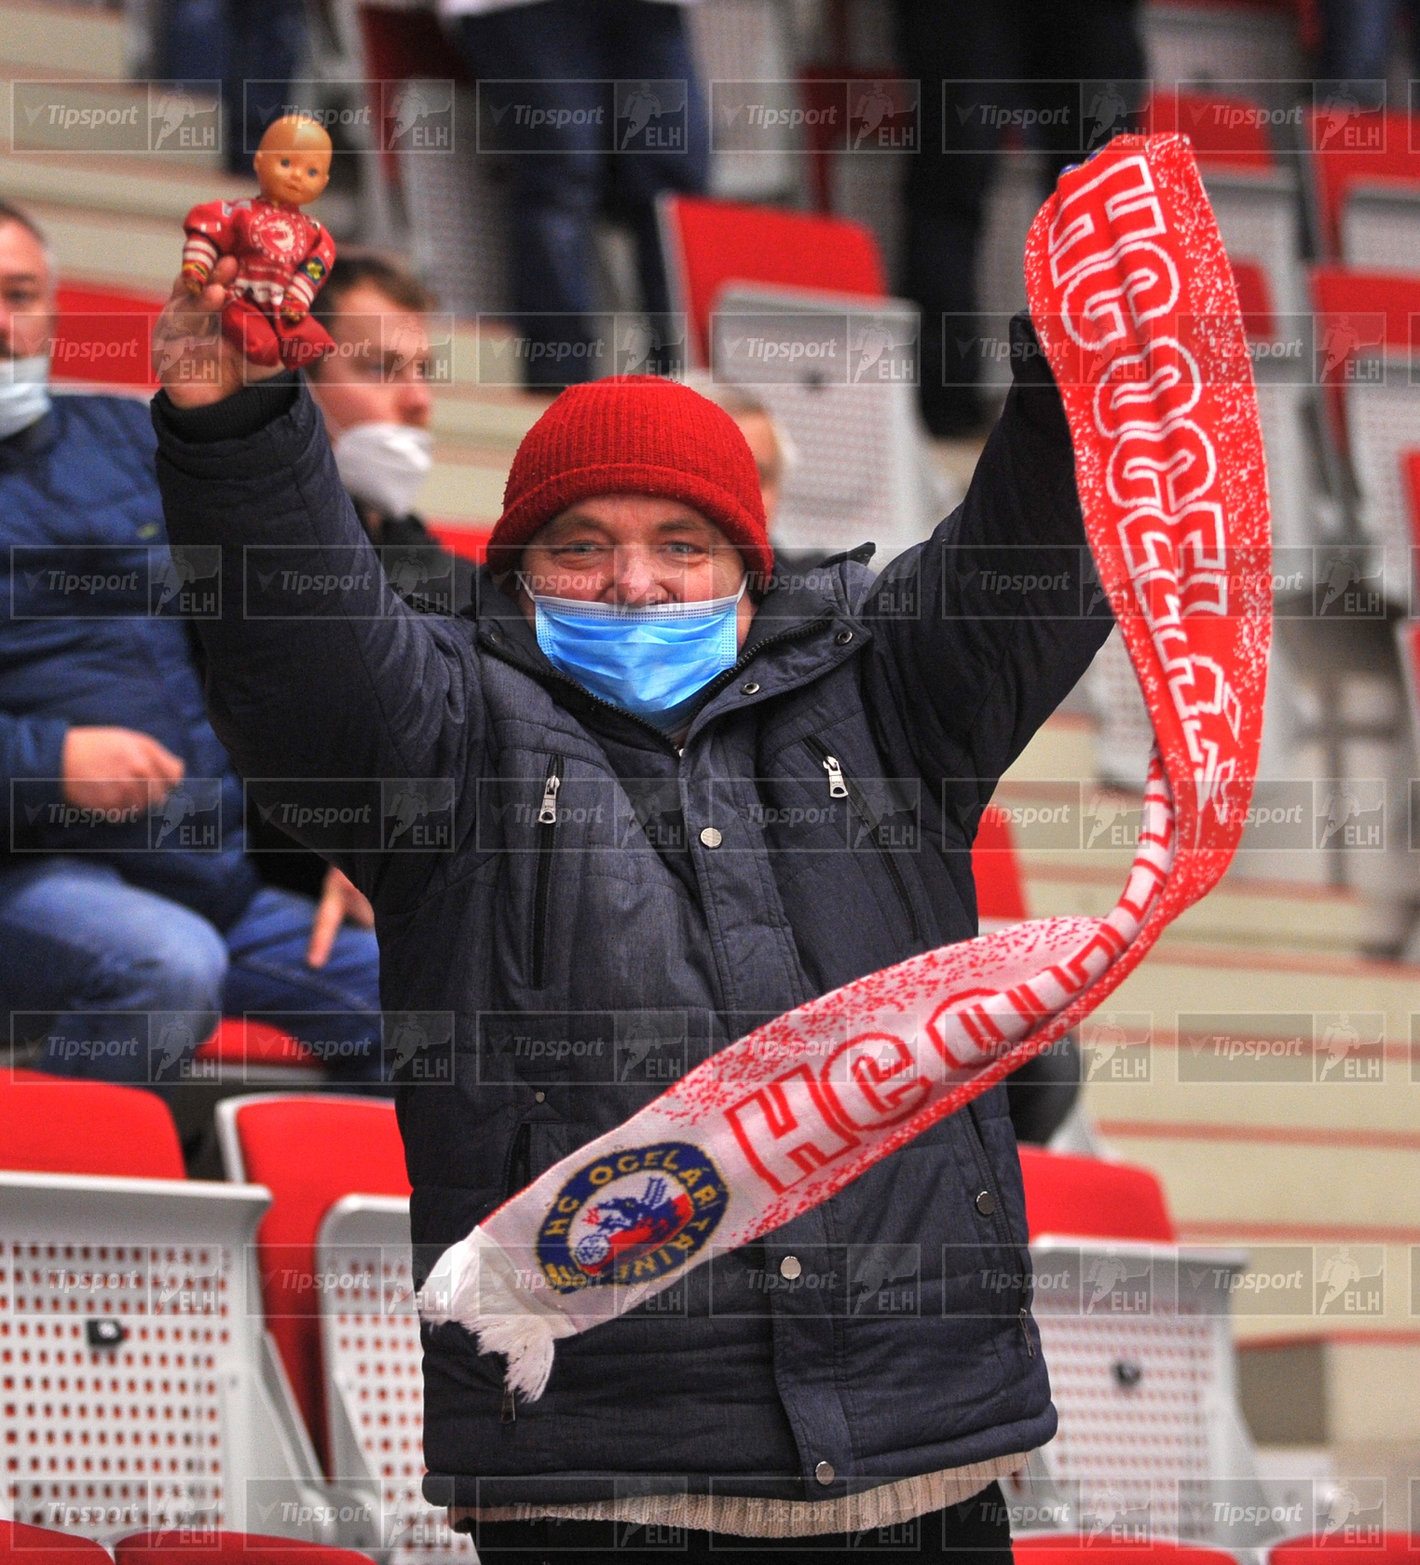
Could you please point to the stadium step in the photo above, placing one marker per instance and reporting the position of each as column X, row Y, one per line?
column 71, row 41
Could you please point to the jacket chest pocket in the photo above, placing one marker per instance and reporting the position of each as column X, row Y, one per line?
column 882, row 816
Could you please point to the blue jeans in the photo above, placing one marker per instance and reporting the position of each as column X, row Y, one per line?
column 566, row 54
column 118, row 984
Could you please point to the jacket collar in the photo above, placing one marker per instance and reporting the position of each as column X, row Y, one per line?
column 799, row 631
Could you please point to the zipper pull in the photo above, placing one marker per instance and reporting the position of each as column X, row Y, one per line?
column 547, row 815
column 837, row 787
column 510, row 1413
column 1023, row 1318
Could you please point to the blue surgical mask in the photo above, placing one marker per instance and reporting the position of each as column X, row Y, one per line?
column 24, row 393
column 651, row 660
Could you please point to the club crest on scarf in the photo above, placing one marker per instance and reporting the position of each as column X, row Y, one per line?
column 630, row 1217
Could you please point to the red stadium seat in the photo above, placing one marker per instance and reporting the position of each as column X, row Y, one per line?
column 1410, row 471
column 1226, row 132
column 19, row 1543
column 309, row 1151
column 1045, row 1549
column 708, row 244
column 226, row 1548
column 1086, row 1198
column 1255, row 300
column 471, row 543
column 240, row 1042
column 1381, row 308
column 1392, row 1548
column 1338, row 168
column 1000, row 887
column 103, row 335
column 52, row 1125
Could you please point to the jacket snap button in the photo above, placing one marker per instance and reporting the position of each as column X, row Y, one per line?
column 843, row 638
column 824, row 1473
column 791, row 1267
column 750, row 689
column 711, row 837
column 986, row 1203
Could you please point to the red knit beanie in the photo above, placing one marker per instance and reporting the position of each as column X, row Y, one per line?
column 634, row 434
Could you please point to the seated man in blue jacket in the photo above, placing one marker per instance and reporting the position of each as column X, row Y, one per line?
column 130, row 914
column 676, row 796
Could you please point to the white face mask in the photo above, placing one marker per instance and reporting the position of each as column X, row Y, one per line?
column 384, row 464
column 24, row 393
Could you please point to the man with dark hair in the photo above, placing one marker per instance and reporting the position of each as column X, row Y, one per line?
column 374, row 394
column 130, row 914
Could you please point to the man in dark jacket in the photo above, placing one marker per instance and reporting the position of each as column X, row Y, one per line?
column 130, row 915
column 635, row 858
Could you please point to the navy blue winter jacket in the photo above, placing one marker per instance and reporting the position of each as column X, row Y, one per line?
column 92, row 635
column 677, row 896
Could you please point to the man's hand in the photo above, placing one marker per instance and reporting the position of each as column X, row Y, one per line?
column 194, row 361
column 117, row 769
column 340, row 899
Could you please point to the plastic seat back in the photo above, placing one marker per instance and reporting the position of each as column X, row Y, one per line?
column 1087, row 1198
column 1071, row 1549
column 309, row 1151
column 1226, row 132
column 20, row 1544
column 710, row 244
column 53, row 1125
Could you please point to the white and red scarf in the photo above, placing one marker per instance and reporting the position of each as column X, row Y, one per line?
column 1133, row 300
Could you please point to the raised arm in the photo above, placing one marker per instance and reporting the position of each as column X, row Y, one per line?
column 1004, row 619
column 316, row 668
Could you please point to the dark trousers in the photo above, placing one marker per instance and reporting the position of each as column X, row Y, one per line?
column 1060, row 76
column 595, row 107
column 977, row 1532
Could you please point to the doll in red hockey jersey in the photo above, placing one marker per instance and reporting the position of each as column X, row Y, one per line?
column 283, row 255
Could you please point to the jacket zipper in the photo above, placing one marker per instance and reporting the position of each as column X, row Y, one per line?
column 546, row 840
column 841, row 786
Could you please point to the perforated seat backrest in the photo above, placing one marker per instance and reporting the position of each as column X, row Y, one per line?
column 227, row 1548
column 52, row 1125
column 709, row 244
column 1087, row 1198
column 1392, row 1548
column 309, row 1151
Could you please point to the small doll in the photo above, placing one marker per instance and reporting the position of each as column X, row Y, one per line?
column 282, row 255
